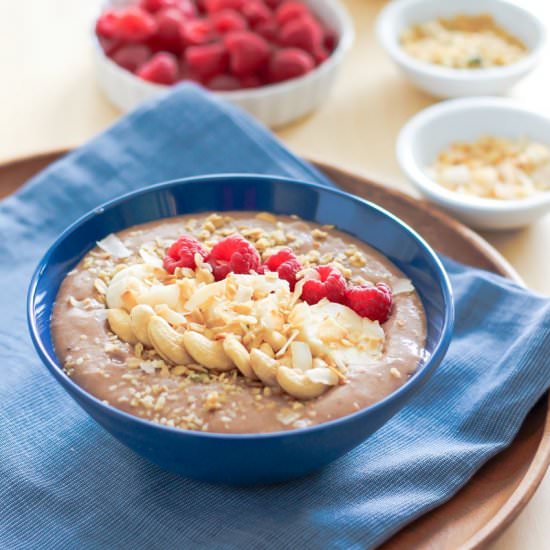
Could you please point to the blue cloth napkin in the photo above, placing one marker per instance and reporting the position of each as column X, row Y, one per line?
column 66, row 483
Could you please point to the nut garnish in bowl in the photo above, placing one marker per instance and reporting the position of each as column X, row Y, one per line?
column 494, row 168
column 463, row 42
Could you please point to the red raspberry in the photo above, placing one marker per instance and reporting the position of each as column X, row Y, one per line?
column 290, row 10
column 289, row 63
column 188, row 8
column 281, row 256
column 228, row 20
column 374, row 302
column 185, row 6
column 135, row 25
column 224, row 83
column 245, row 261
column 132, row 56
column 213, row 6
column 169, row 31
column 332, row 286
column 313, row 291
column 267, row 29
column 255, row 12
column 248, row 52
column 208, row 60
column 273, row 4
column 221, row 271
column 320, row 55
column 285, row 263
column 302, row 32
column 330, row 40
column 288, row 271
column 335, row 283
column 107, row 24
column 182, row 253
column 162, row 68
column 197, row 32
column 251, row 81
column 185, row 73
column 233, row 254
column 108, row 45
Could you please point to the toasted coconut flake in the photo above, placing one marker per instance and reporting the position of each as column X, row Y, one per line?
column 149, row 257
column 402, row 286
column 292, row 337
column 149, row 367
column 114, row 246
column 244, row 293
column 100, row 286
column 287, row 416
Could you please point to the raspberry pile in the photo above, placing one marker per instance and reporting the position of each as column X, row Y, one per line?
column 223, row 45
column 235, row 254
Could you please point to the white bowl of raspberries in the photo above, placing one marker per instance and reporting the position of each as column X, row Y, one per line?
column 277, row 59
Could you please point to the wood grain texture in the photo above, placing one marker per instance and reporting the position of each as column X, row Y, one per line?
column 496, row 494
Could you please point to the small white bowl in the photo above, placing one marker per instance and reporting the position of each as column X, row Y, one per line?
column 448, row 82
column 275, row 105
column 437, row 127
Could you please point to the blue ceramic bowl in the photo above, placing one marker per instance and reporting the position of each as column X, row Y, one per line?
column 249, row 458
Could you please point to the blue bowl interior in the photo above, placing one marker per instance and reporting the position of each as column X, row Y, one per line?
column 364, row 220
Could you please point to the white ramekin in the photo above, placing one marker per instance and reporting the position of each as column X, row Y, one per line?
column 435, row 128
column 274, row 105
column 447, row 82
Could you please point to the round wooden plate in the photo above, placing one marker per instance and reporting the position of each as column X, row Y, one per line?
column 498, row 492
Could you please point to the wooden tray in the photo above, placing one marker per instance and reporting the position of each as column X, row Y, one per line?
column 497, row 493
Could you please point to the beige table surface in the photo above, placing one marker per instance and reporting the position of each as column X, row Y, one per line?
column 49, row 100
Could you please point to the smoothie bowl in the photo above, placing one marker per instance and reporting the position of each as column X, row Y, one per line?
column 240, row 329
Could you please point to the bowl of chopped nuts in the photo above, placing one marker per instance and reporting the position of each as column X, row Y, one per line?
column 484, row 160
column 461, row 48
column 240, row 329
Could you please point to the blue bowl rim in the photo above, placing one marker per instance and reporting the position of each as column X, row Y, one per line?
column 415, row 379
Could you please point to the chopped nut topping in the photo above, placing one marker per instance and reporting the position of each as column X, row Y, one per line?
column 395, row 373
column 319, row 234
column 463, row 42
column 494, row 168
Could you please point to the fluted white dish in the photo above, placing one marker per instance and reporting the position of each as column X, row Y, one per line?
column 274, row 105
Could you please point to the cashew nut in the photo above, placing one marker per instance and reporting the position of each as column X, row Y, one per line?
column 127, row 285
column 123, row 293
column 267, row 349
column 140, row 271
column 139, row 318
column 209, row 353
column 265, row 367
column 161, row 294
column 168, row 343
column 239, row 355
column 119, row 321
column 300, row 385
column 275, row 339
column 173, row 317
